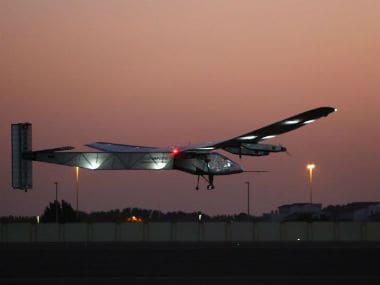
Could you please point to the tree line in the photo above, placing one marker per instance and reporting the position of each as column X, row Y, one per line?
column 63, row 212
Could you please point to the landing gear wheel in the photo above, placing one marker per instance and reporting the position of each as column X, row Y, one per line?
column 210, row 181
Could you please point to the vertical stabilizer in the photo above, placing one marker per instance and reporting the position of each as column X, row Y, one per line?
column 21, row 168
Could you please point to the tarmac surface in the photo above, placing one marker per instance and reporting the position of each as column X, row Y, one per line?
column 190, row 263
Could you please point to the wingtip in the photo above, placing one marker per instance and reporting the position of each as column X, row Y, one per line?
column 329, row 110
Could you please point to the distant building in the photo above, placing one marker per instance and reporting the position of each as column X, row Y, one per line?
column 357, row 211
column 296, row 212
column 374, row 209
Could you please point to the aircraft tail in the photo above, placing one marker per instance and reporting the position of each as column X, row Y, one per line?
column 21, row 168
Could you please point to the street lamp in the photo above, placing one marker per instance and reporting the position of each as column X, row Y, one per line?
column 56, row 202
column 77, row 187
column 310, row 167
column 247, row 182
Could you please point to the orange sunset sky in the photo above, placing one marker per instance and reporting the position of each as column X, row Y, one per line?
column 169, row 73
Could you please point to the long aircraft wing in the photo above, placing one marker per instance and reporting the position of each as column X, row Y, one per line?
column 253, row 137
column 267, row 132
column 112, row 147
column 283, row 126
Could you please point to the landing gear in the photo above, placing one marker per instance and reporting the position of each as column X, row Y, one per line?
column 210, row 186
column 210, row 181
column 197, row 187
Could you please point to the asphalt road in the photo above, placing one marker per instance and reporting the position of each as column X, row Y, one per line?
column 189, row 263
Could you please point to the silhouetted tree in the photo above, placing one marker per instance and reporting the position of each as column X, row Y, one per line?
column 66, row 213
column 17, row 219
column 49, row 213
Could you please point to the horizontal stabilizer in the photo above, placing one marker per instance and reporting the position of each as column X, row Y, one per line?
column 63, row 148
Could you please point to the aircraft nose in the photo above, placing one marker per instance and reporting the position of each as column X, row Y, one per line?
column 236, row 167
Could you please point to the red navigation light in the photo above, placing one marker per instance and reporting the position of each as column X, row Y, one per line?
column 175, row 151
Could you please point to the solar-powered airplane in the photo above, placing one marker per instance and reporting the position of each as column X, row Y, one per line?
column 197, row 159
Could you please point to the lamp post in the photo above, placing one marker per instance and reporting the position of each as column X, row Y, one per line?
column 310, row 167
column 248, row 198
column 77, row 188
column 56, row 202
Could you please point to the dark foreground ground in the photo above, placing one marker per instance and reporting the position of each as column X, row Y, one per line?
column 190, row 263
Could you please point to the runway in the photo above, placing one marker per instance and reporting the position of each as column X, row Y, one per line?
column 188, row 263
